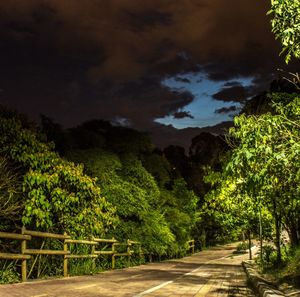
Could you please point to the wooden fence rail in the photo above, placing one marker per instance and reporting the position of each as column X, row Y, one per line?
column 26, row 253
column 191, row 244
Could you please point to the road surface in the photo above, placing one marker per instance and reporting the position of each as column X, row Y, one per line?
column 211, row 273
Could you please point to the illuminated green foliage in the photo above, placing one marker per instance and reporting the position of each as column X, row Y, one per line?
column 161, row 219
column 263, row 170
column 59, row 195
column 286, row 26
column 10, row 195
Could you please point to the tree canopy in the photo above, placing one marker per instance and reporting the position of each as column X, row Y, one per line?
column 58, row 195
column 286, row 26
column 262, row 171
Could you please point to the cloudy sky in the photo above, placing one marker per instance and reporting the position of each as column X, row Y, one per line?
column 164, row 66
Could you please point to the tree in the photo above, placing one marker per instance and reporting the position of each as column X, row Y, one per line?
column 10, row 195
column 265, row 161
column 180, row 209
column 58, row 195
column 127, row 185
column 261, row 174
column 286, row 26
column 159, row 167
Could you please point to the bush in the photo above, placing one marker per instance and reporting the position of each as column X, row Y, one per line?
column 291, row 272
column 243, row 246
column 59, row 196
column 10, row 197
column 268, row 255
column 8, row 274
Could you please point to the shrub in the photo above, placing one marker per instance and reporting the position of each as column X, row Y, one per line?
column 10, row 195
column 243, row 246
column 8, row 274
column 59, row 196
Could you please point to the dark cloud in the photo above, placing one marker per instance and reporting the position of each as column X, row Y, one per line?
column 138, row 37
column 229, row 109
column 147, row 19
column 76, row 60
column 183, row 79
column 235, row 94
column 182, row 115
column 232, row 84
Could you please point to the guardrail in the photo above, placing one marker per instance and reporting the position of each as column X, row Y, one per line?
column 191, row 247
column 26, row 253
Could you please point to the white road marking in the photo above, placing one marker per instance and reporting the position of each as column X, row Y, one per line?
column 153, row 289
column 170, row 282
column 130, row 277
column 193, row 271
column 164, row 284
column 85, row 287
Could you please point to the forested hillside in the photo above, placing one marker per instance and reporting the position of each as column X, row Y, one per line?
column 106, row 181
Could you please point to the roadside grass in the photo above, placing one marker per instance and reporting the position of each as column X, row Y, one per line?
column 291, row 272
column 8, row 273
column 288, row 272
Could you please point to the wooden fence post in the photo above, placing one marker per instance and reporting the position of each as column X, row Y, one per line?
column 24, row 261
column 26, row 253
column 65, row 257
column 128, row 252
column 93, row 259
column 113, row 259
column 140, row 254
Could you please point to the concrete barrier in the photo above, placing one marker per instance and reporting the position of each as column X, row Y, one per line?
column 263, row 287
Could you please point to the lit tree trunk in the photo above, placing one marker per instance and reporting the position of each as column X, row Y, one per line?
column 293, row 228
column 260, row 236
column 277, row 238
column 249, row 240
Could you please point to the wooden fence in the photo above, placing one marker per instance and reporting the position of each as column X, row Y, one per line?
column 191, row 244
column 26, row 253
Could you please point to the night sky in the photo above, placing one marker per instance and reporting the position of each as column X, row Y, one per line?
column 170, row 67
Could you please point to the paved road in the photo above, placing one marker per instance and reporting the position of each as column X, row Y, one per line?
column 211, row 273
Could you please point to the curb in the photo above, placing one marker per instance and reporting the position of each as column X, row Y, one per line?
column 263, row 287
